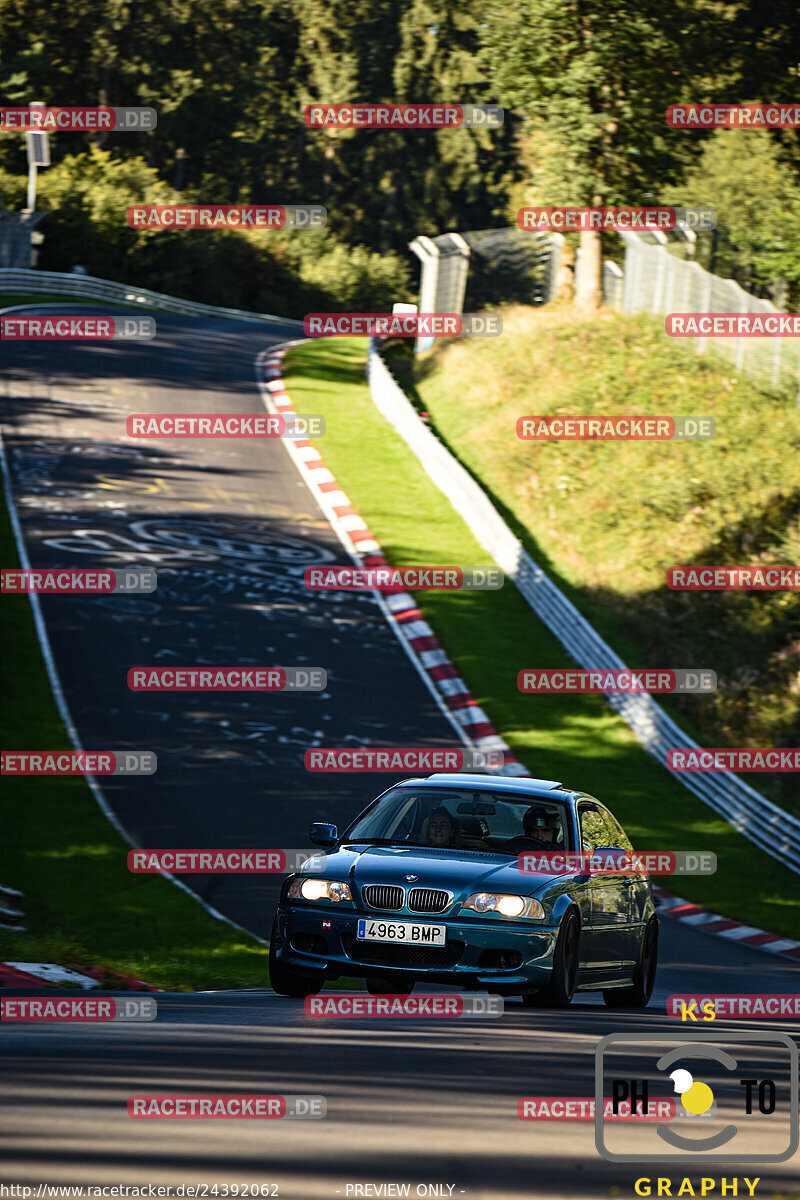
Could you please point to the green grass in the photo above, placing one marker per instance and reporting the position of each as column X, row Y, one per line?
column 81, row 903
column 490, row 636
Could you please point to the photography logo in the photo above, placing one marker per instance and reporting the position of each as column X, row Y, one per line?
column 696, row 1097
column 736, row 1097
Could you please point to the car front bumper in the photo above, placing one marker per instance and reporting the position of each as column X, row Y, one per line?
column 487, row 952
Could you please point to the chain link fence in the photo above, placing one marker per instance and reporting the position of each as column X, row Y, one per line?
column 483, row 268
column 509, row 266
column 654, row 280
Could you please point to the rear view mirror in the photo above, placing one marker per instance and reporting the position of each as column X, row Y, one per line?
column 481, row 809
column 323, row 834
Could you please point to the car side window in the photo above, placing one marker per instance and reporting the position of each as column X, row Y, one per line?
column 618, row 835
column 594, row 831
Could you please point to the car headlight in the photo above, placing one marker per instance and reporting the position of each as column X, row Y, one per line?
column 508, row 906
column 308, row 888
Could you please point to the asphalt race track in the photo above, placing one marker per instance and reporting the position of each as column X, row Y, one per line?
column 409, row 1101
column 229, row 527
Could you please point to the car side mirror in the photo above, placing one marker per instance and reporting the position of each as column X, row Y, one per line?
column 609, row 856
column 323, row 834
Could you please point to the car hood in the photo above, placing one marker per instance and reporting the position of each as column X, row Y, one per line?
column 458, row 871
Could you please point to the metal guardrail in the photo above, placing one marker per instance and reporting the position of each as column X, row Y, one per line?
column 90, row 288
column 757, row 818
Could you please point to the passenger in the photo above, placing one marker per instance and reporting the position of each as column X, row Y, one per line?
column 441, row 828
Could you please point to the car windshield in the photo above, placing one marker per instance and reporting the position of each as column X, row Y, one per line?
column 499, row 822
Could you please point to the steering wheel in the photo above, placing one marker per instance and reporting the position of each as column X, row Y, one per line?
column 525, row 842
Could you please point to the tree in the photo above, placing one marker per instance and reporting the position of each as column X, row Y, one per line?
column 218, row 72
column 759, row 207
column 461, row 176
column 593, row 79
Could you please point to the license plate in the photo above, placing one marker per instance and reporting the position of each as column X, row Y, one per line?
column 408, row 932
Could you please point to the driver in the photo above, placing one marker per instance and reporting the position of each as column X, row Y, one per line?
column 441, row 828
column 544, row 826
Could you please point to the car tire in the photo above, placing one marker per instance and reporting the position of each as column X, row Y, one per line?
column 389, row 987
column 559, row 991
column 644, row 975
column 287, row 982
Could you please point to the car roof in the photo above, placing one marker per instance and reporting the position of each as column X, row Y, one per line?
column 496, row 783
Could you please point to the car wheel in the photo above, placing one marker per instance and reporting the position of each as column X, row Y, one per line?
column 389, row 987
column 559, row 991
column 287, row 982
column 644, row 975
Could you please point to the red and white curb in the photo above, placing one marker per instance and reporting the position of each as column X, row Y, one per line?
column 418, row 639
column 29, row 974
column 747, row 935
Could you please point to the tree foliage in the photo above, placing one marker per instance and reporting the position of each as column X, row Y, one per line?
column 585, row 84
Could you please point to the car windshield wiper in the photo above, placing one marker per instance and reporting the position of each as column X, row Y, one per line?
column 382, row 842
